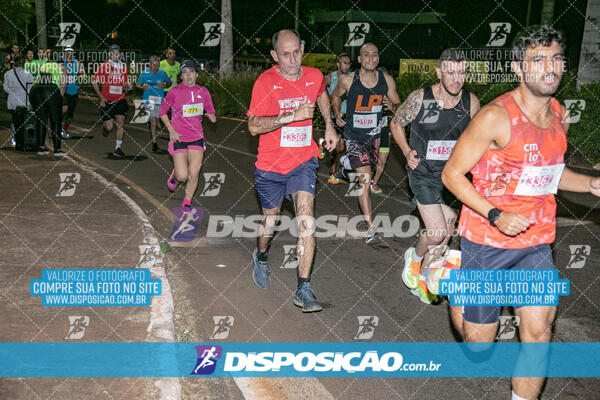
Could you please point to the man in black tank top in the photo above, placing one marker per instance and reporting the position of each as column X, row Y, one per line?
column 438, row 115
column 364, row 90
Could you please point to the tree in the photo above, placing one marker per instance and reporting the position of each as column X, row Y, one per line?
column 40, row 13
column 226, row 55
column 14, row 17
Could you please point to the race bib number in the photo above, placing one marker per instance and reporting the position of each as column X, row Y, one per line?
column 364, row 121
column 155, row 100
column 115, row 89
column 296, row 136
column 193, row 110
column 536, row 181
column 439, row 149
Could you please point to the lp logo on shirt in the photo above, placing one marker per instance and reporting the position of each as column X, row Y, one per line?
column 212, row 33
column 212, row 183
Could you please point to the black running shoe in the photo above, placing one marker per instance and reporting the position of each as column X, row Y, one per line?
column 118, row 152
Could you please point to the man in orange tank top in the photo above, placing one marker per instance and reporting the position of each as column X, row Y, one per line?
column 514, row 148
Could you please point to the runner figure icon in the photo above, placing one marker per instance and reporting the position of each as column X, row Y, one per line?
column 186, row 223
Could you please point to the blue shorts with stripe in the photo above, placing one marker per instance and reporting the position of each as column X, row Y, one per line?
column 272, row 187
column 479, row 256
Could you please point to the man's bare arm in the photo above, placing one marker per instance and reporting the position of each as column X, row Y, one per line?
column 483, row 130
column 259, row 125
column 336, row 96
column 408, row 110
column 403, row 116
column 392, row 94
column 325, row 108
column 573, row 182
column 331, row 137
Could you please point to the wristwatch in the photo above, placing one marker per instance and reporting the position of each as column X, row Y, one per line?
column 493, row 215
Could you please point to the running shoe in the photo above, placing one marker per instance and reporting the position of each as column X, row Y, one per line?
column 172, row 182
column 43, row 151
column 333, row 179
column 305, row 298
column 65, row 134
column 441, row 269
column 261, row 272
column 321, row 150
column 410, row 273
column 375, row 188
column 155, row 147
column 59, row 153
column 372, row 235
column 13, row 143
column 118, row 152
column 424, row 294
column 435, row 272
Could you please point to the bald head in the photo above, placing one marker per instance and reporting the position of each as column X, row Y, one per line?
column 286, row 35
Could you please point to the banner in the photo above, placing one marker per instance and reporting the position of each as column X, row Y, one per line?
column 315, row 359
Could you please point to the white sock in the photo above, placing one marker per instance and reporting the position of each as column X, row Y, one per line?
column 119, row 143
column 415, row 257
column 516, row 396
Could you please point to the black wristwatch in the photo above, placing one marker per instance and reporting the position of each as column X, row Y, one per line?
column 493, row 215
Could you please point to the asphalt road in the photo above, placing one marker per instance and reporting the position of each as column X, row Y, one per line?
column 212, row 277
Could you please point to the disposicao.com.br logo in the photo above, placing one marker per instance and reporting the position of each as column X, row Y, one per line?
column 295, row 364
column 325, row 226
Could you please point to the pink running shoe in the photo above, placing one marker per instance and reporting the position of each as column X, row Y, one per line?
column 172, row 182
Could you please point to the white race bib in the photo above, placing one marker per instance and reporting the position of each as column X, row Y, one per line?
column 156, row 100
column 296, row 136
column 439, row 149
column 364, row 121
column 192, row 110
column 115, row 89
column 536, row 181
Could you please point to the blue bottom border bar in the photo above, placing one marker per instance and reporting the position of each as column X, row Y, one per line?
column 298, row 359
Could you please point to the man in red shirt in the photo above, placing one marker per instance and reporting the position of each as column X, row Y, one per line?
column 281, row 112
column 112, row 75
